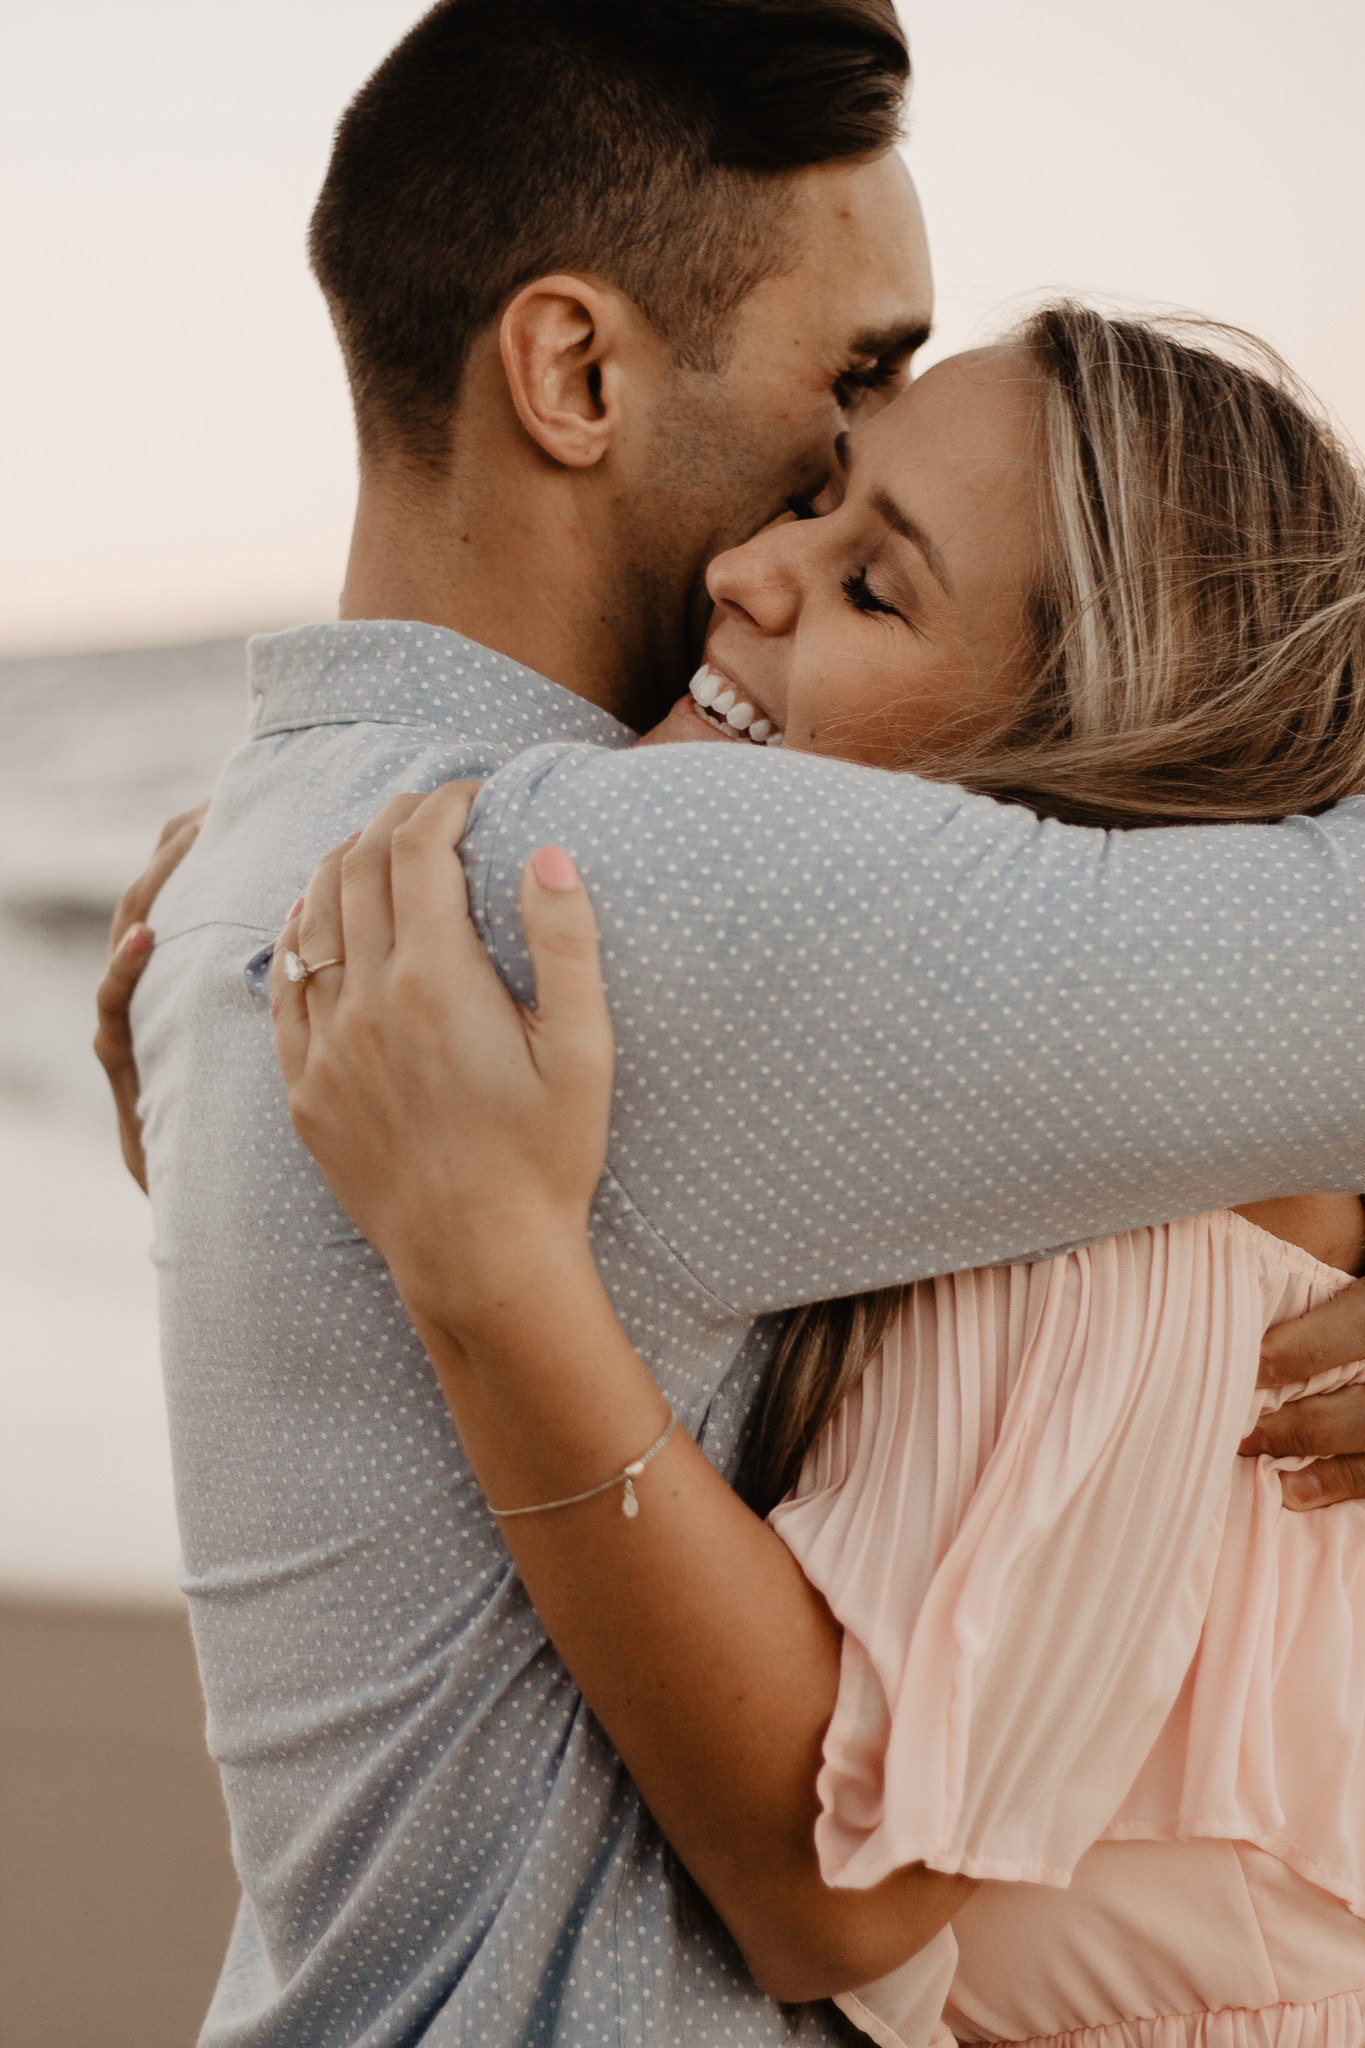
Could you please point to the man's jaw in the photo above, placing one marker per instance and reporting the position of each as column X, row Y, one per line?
column 726, row 707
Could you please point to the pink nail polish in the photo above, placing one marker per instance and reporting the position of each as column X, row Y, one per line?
column 294, row 910
column 138, row 941
column 554, row 869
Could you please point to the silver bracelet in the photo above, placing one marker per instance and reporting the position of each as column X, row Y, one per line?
column 630, row 1506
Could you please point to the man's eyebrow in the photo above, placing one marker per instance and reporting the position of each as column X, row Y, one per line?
column 891, row 341
column 910, row 529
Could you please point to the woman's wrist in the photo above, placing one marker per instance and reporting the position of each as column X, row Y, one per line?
column 546, row 1392
column 504, row 1289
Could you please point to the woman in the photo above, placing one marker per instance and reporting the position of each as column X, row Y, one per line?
column 1108, row 573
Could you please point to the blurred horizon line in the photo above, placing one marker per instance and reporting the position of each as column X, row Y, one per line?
column 182, row 636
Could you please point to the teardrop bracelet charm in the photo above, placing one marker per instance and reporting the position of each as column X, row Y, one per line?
column 630, row 1505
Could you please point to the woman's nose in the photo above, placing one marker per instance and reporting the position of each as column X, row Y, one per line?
column 760, row 581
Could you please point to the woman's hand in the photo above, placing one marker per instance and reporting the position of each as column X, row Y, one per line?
column 130, row 948
column 454, row 1126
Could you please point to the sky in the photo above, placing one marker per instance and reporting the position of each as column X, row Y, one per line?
column 177, row 450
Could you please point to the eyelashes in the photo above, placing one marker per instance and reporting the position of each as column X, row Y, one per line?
column 863, row 597
column 856, row 383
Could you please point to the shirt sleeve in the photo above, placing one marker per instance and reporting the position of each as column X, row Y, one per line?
column 871, row 1028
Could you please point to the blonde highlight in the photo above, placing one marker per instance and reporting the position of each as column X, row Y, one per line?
column 1196, row 634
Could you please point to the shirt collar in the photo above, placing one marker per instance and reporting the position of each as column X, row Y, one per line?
column 400, row 672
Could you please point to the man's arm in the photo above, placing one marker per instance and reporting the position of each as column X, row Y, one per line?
column 870, row 1028
column 1331, row 1427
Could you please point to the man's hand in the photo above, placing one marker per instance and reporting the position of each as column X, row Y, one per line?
column 1328, row 1427
column 130, row 945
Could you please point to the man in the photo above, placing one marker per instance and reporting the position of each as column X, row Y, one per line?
column 609, row 278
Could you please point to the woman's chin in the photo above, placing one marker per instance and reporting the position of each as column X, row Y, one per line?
column 685, row 722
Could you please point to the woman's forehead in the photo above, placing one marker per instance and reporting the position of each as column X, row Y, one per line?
column 984, row 395
column 958, row 452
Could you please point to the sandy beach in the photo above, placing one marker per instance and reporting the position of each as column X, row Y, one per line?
column 116, row 1890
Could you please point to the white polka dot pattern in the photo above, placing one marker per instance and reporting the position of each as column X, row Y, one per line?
column 868, row 1029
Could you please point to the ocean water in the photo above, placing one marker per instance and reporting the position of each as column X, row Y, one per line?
column 98, row 751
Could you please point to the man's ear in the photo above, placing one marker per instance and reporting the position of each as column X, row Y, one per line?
column 561, row 340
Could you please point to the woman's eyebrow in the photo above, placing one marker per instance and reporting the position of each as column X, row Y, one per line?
column 897, row 518
column 910, row 529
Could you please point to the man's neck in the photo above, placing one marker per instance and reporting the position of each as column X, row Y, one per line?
column 514, row 570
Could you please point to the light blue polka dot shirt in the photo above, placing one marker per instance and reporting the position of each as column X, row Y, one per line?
column 868, row 1029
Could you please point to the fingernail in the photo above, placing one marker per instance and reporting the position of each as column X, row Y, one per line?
column 1304, row 1487
column 294, row 910
column 350, row 838
column 554, row 869
column 138, row 941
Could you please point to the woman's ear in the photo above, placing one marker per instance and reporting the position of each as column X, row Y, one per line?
column 560, row 340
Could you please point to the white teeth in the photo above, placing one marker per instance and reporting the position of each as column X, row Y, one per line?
column 722, row 704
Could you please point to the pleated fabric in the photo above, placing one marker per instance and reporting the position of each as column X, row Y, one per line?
column 1071, row 1613
column 1327, row 2023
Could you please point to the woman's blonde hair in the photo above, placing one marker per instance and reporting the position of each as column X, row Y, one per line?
column 1194, row 653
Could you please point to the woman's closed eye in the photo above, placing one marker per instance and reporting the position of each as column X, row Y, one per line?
column 864, row 598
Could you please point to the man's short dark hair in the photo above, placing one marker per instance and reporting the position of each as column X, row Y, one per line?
column 639, row 140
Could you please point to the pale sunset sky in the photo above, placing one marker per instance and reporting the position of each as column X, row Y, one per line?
column 177, row 445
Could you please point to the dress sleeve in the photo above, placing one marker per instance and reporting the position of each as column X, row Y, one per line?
column 871, row 1028
column 1263, row 1745
column 1016, row 1519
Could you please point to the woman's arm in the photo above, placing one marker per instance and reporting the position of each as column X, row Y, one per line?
column 465, row 1137
column 709, row 1659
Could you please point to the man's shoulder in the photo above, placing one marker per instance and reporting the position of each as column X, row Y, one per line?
column 405, row 673
column 283, row 799
column 343, row 717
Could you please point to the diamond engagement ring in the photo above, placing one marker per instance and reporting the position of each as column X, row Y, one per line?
column 297, row 969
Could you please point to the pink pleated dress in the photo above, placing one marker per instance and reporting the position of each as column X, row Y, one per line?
column 1089, row 1658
